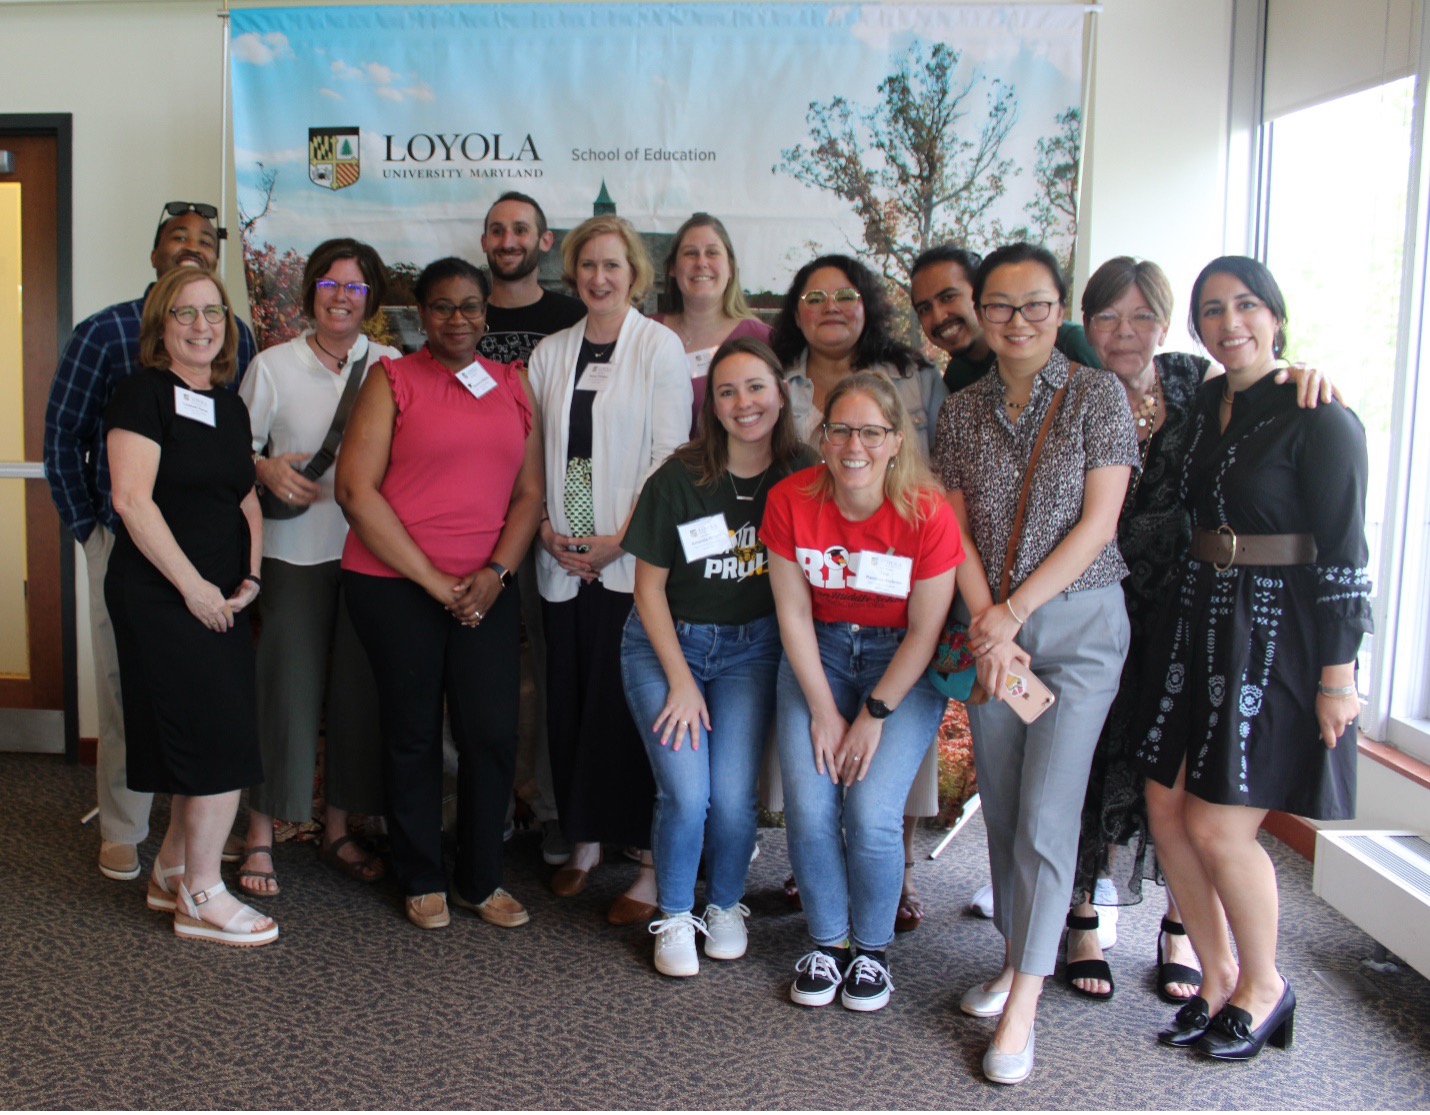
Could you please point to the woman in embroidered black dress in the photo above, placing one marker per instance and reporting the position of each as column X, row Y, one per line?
column 1257, row 702
column 1126, row 310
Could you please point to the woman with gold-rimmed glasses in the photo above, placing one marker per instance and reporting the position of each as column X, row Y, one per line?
column 441, row 480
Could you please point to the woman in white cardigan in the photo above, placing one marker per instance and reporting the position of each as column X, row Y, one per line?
column 615, row 400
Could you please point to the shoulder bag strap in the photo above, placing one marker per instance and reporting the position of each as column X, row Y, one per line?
column 1016, row 534
column 323, row 459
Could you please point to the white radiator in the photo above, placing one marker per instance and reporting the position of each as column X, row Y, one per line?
column 1381, row 882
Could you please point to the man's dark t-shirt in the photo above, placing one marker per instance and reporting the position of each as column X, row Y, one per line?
column 512, row 333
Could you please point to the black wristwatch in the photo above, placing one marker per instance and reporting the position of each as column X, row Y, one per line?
column 877, row 709
column 504, row 575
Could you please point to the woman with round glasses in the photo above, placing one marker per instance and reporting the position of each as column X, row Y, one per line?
column 862, row 557
column 707, row 306
column 1042, row 586
column 309, row 657
column 1254, row 700
column 441, row 480
column 836, row 320
column 183, row 572
column 615, row 403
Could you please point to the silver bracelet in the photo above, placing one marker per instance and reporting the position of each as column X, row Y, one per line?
column 1339, row 691
column 1011, row 612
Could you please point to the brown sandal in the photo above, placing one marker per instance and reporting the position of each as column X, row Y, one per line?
column 369, row 869
column 245, row 873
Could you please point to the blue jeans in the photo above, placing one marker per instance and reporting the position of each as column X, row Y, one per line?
column 705, row 797
column 847, row 846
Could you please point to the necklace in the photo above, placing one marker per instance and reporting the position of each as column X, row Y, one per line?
column 600, row 353
column 1146, row 411
column 751, row 497
column 342, row 361
column 1225, row 394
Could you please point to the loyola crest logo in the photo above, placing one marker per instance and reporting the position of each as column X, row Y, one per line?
column 333, row 157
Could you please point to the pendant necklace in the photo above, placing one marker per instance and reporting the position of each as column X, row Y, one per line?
column 342, row 361
column 751, row 497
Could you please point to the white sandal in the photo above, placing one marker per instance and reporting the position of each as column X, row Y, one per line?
column 238, row 930
column 160, row 897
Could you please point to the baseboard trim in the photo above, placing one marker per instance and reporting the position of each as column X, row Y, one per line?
column 1296, row 833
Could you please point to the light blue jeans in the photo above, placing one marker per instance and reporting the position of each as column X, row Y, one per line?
column 847, row 846
column 705, row 797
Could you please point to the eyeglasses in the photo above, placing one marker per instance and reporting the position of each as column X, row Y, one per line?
column 356, row 290
column 471, row 309
column 844, row 297
column 1000, row 313
column 187, row 315
column 1109, row 321
column 837, row 433
column 202, row 208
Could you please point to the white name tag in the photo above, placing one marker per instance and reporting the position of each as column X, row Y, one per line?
column 703, row 538
column 190, row 404
column 886, row 574
column 476, row 380
column 699, row 362
column 595, row 377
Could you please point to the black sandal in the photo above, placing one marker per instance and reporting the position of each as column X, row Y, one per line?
column 1173, row 973
column 1088, row 969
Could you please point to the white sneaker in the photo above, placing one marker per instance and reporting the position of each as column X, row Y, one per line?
column 982, row 902
column 675, row 944
column 725, row 934
column 1106, row 927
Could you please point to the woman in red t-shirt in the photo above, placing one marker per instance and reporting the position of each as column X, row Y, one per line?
column 862, row 557
column 441, row 479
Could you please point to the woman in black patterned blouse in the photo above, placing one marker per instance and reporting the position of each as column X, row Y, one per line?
column 1060, row 615
column 1257, row 703
column 1126, row 310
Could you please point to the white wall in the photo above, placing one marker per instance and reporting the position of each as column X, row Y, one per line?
column 143, row 82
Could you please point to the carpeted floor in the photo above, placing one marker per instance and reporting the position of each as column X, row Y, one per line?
column 353, row 1008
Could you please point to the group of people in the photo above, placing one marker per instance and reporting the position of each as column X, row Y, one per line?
column 717, row 531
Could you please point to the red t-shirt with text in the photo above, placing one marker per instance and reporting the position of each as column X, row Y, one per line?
column 828, row 548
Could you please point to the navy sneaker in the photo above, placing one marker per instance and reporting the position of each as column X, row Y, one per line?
column 866, row 983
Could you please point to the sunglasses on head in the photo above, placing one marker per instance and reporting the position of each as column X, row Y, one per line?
column 202, row 208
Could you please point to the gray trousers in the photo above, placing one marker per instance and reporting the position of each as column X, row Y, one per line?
column 123, row 813
column 305, row 616
column 1033, row 777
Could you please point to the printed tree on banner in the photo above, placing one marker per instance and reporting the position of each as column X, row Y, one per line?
column 921, row 167
column 275, row 281
column 1053, row 211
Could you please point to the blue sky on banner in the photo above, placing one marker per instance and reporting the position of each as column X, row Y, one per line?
column 678, row 107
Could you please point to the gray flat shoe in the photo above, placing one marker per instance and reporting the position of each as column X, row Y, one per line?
column 1009, row 1068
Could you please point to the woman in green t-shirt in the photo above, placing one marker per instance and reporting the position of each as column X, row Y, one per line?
column 702, row 647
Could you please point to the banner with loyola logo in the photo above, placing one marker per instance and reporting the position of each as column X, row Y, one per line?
column 875, row 129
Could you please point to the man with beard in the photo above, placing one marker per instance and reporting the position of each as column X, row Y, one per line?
column 519, row 314
column 941, row 289
column 103, row 350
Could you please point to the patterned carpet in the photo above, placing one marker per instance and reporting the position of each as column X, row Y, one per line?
column 353, row 1008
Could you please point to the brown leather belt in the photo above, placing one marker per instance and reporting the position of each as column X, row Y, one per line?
column 1224, row 548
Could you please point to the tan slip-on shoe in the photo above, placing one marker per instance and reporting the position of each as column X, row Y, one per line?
column 118, row 861
column 428, row 911
column 500, row 908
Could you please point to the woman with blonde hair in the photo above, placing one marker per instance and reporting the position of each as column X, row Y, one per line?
column 614, row 397
column 862, row 554
column 706, row 305
column 179, row 585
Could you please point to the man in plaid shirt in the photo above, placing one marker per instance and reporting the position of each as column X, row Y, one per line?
column 102, row 351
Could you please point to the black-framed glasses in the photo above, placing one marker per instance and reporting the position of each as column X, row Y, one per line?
column 838, row 433
column 471, row 309
column 209, row 212
column 1000, row 313
column 356, row 290
column 187, row 315
column 844, row 297
column 1109, row 321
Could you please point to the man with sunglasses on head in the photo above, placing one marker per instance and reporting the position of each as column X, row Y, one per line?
column 102, row 351
column 941, row 289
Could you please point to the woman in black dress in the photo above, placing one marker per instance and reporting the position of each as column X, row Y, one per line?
column 1126, row 310
column 1257, row 703
column 177, row 588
